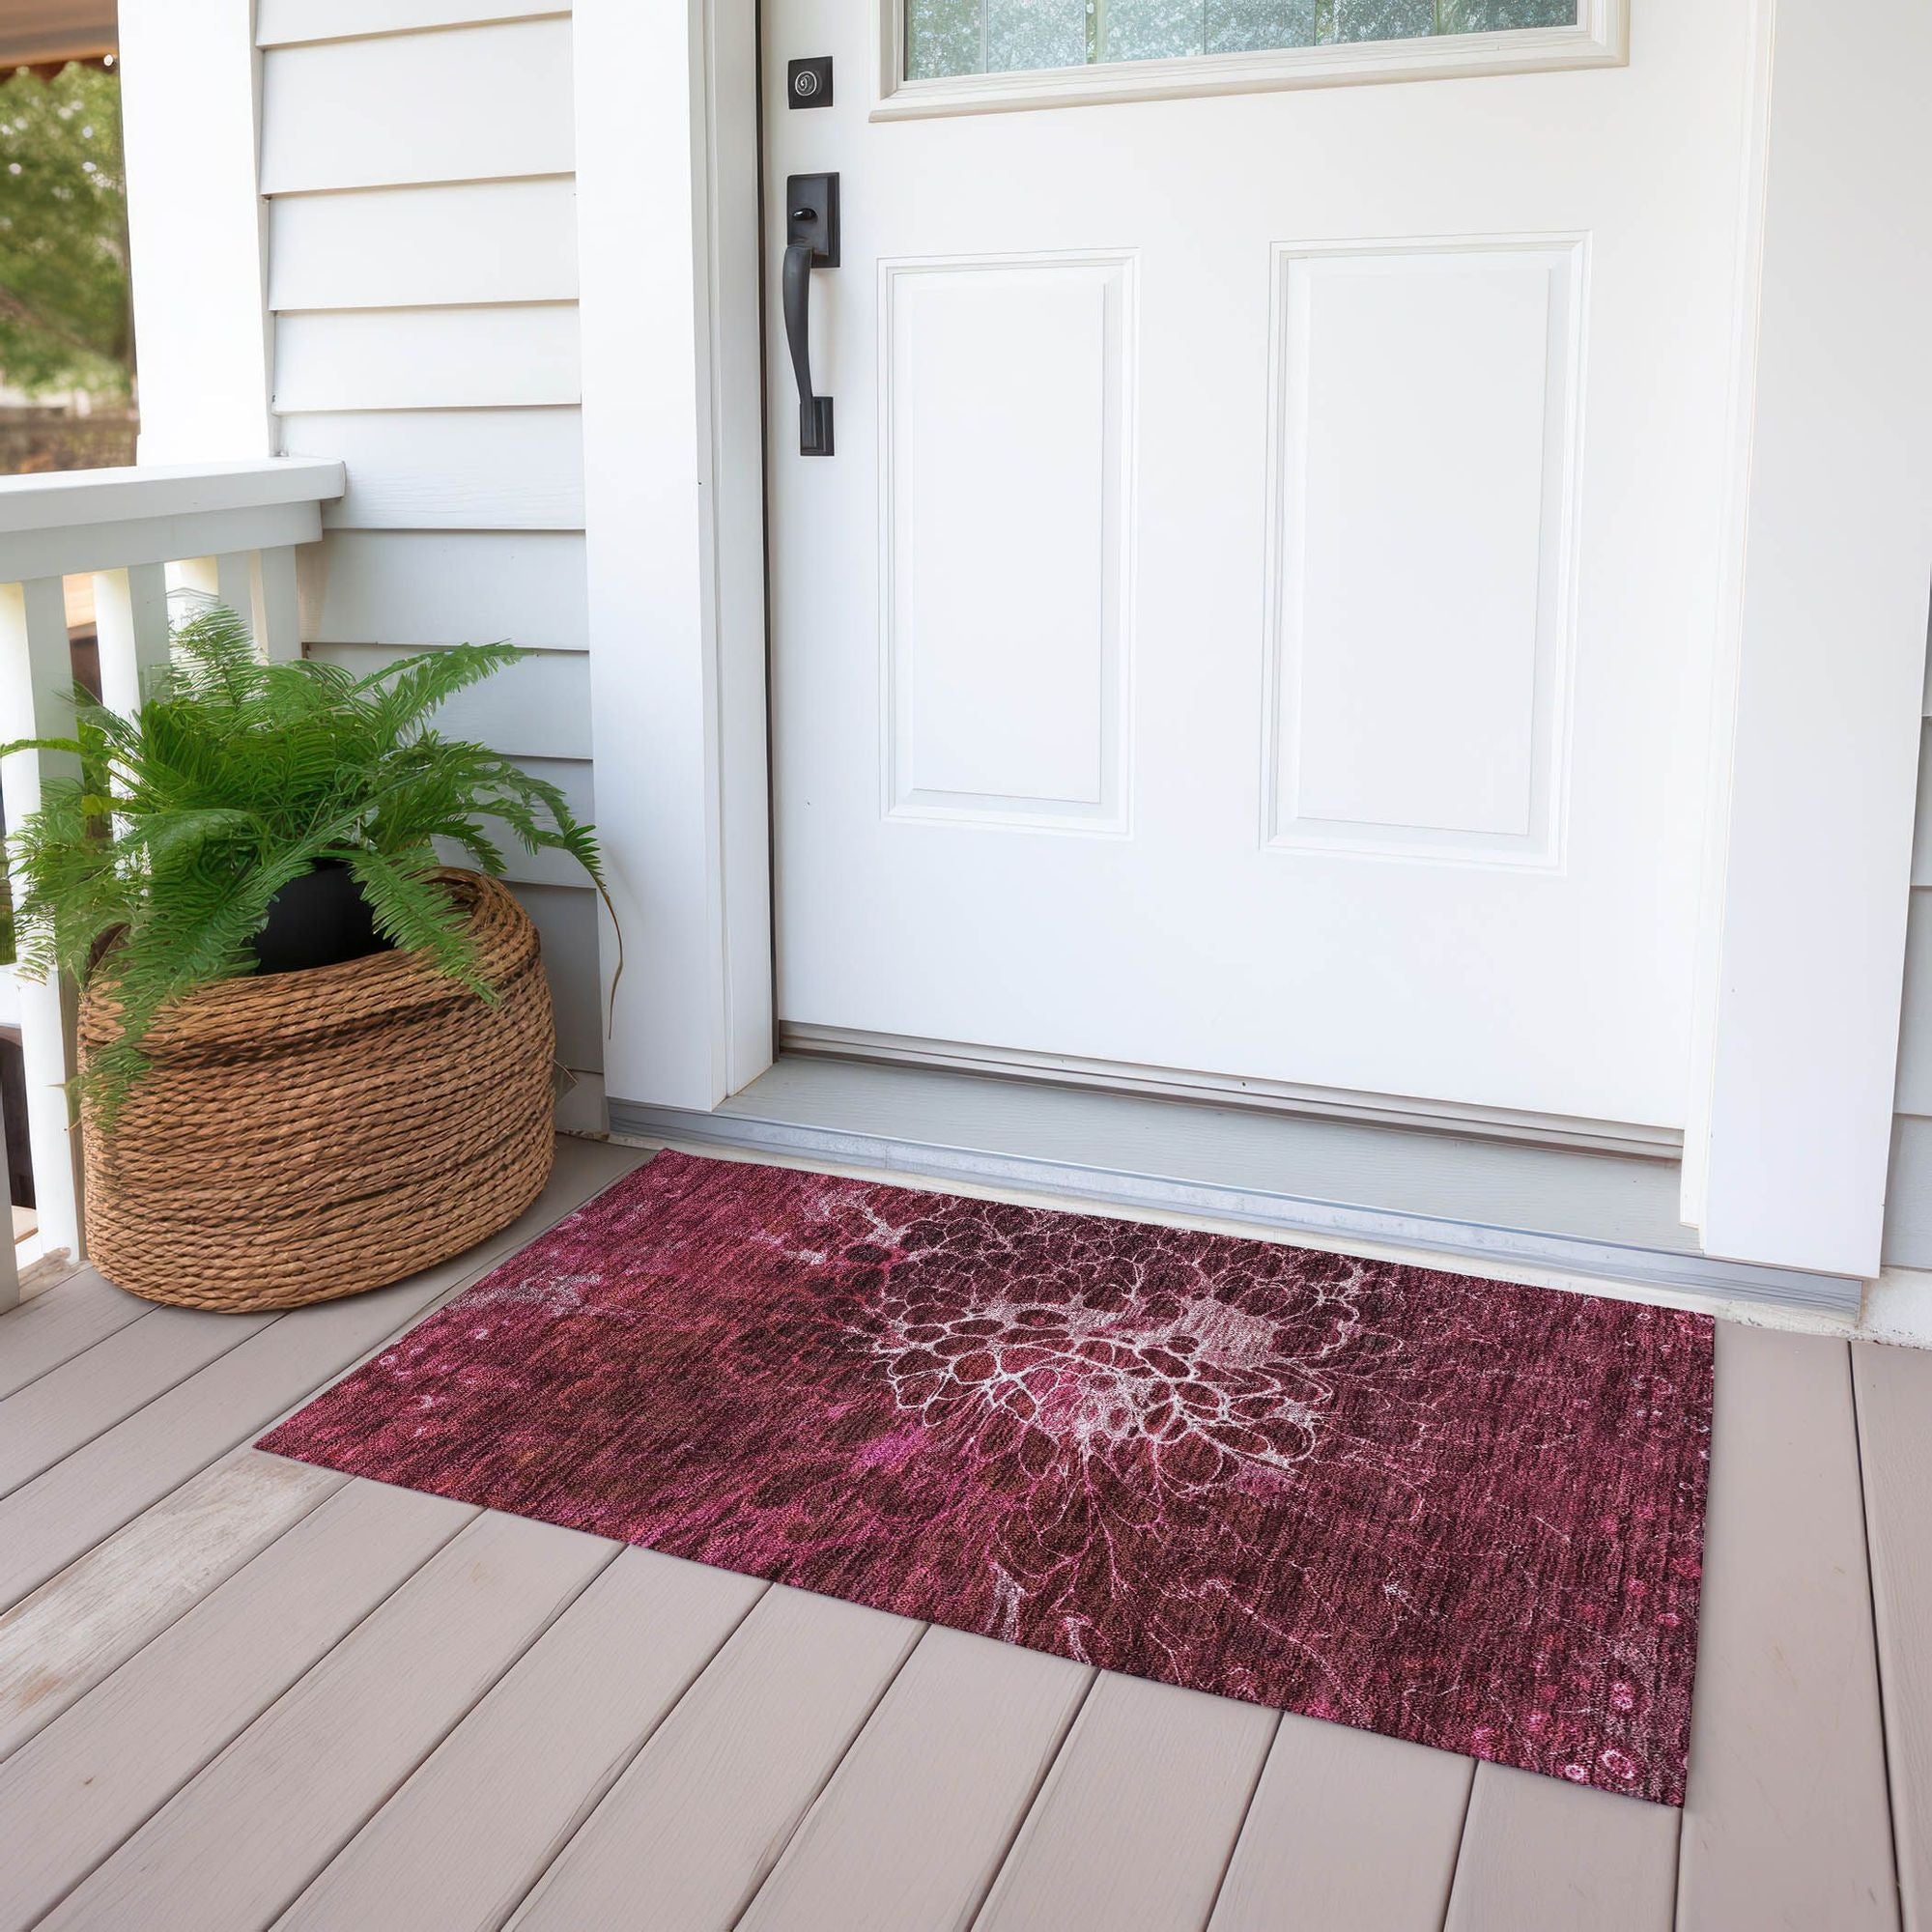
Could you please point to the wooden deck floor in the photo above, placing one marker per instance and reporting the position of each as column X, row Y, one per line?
column 237, row 1692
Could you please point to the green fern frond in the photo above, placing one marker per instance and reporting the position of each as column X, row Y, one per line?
column 235, row 776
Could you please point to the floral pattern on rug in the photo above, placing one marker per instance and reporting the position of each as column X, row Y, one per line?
column 1462, row 1511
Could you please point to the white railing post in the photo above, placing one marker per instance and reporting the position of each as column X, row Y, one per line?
column 130, row 619
column 10, row 1261
column 277, row 613
column 259, row 586
column 235, row 583
column 36, row 701
column 229, row 528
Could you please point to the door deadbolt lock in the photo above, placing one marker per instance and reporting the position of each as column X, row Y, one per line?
column 809, row 82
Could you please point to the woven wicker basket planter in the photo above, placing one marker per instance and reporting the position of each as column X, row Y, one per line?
column 308, row 1135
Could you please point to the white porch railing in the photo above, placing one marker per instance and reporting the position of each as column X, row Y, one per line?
column 227, row 528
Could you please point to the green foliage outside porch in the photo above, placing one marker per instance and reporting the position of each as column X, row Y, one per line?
column 66, row 333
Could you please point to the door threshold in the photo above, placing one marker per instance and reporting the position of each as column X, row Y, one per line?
column 1221, row 1090
column 1610, row 1216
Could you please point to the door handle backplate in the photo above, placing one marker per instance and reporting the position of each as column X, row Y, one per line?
column 811, row 241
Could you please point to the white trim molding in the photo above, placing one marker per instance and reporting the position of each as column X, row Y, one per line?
column 668, row 225
column 1601, row 37
column 1810, row 865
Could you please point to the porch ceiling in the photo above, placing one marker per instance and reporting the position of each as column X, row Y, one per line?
column 41, row 33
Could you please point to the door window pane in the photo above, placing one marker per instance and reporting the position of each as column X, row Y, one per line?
column 1035, row 32
column 948, row 37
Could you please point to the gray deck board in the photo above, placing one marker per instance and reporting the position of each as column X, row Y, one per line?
column 240, row 1840
column 72, row 1632
column 90, row 1392
column 1538, row 1853
column 1787, row 1822
column 689, row 1832
column 56, row 1324
column 60, row 1514
column 911, row 1832
column 99, row 1773
column 246, row 1691
column 1895, row 1398
column 1322, row 1845
column 1137, row 1820
column 465, row 1838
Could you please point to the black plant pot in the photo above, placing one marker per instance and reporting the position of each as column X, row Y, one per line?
column 319, row 920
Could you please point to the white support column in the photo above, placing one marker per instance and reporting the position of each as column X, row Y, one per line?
column 191, row 96
column 130, row 616
column 1791, row 1111
column 673, row 533
column 276, row 612
column 36, row 683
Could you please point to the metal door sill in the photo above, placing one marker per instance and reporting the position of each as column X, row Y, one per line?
column 1608, row 1216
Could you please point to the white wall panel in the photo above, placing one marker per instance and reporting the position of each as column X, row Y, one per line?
column 1423, row 494
column 450, row 470
column 445, row 587
column 538, row 708
column 1004, row 499
column 475, row 104
column 427, row 359
column 396, row 247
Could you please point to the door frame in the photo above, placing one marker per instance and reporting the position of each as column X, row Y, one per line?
column 1799, row 991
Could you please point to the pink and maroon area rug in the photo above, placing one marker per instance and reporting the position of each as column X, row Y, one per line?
column 1464, row 1512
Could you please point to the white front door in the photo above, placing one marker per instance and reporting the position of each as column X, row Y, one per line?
column 1258, row 616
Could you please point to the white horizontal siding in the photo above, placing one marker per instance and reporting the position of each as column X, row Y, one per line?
column 446, row 587
column 283, row 22
column 581, row 1107
column 1921, row 839
column 466, row 470
column 414, row 358
column 538, row 708
column 1908, row 1215
column 422, row 276
column 471, row 103
column 566, row 921
column 1908, row 1204
column 402, row 247
column 1914, row 1043
column 572, row 778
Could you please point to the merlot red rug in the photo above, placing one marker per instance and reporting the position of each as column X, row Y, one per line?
column 1461, row 1512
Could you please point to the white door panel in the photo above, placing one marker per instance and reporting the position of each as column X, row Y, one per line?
column 1258, row 616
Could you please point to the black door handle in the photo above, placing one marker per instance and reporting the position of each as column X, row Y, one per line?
column 811, row 241
column 815, row 413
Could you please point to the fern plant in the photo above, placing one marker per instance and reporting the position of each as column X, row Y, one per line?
column 233, row 779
